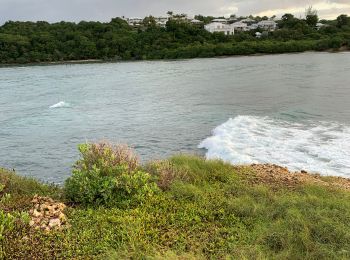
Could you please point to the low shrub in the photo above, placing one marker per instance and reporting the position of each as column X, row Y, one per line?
column 108, row 175
column 17, row 185
column 106, row 157
column 8, row 221
column 166, row 173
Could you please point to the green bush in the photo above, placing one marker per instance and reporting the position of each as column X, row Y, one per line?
column 8, row 220
column 336, row 42
column 108, row 175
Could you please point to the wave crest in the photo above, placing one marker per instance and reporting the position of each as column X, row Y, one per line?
column 60, row 104
column 323, row 147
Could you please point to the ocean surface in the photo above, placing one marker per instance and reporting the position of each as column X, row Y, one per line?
column 292, row 110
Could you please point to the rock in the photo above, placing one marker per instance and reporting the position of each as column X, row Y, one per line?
column 35, row 199
column 55, row 223
column 36, row 213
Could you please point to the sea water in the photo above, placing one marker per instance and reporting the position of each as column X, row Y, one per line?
column 292, row 110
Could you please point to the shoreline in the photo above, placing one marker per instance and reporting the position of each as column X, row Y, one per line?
column 265, row 173
column 96, row 61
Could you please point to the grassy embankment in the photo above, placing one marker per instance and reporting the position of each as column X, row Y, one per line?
column 202, row 209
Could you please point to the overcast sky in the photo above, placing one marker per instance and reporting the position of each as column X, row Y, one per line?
column 104, row 10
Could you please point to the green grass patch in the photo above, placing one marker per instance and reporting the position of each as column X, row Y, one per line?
column 207, row 210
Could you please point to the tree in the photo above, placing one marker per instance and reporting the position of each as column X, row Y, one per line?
column 41, row 41
column 343, row 20
column 120, row 23
column 204, row 19
column 287, row 17
column 149, row 22
column 287, row 21
column 311, row 16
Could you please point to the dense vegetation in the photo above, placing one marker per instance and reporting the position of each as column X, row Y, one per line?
column 25, row 42
column 196, row 209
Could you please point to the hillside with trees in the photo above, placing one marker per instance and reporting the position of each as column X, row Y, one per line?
column 31, row 42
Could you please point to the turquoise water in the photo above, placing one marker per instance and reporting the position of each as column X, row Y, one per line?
column 288, row 109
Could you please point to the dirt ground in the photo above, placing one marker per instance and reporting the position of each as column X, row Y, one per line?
column 281, row 176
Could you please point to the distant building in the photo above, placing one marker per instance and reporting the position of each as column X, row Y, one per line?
column 219, row 20
column 232, row 19
column 321, row 25
column 253, row 26
column 196, row 22
column 267, row 25
column 161, row 21
column 227, row 29
column 258, row 34
column 134, row 21
column 241, row 27
column 181, row 17
column 248, row 21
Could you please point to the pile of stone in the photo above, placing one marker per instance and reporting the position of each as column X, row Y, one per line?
column 47, row 214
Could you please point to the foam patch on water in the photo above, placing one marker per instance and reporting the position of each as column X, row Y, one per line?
column 322, row 147
column 60, row 104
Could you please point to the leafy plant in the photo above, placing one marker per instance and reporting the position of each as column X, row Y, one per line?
column 108, row 175
column 7, row 224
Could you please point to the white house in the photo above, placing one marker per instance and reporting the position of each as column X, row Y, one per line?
column 248, row 20
column 321, row 25
column 219, row 20
column 134, row 21
column 268, row 25
column 232, row 19
column 227, row 29
column 239, row 26
column 195, row 21
column 161, row 21
column 253, row 26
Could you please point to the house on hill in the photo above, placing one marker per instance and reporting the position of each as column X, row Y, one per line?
column 240, row 26
column 268, row 25
column 196, row 22
column 321, row 25
column 134, row 21
column 161, row 21
column 227, row 29
column 219, row 20
column 248, row 21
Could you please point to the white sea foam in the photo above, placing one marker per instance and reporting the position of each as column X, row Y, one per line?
column 60, row 104
column 322, row 147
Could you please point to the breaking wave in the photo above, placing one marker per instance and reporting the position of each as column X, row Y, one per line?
column 60, row 104
column 322, row 147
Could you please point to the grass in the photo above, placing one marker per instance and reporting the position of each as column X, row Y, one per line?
column 23, row 189
column 207, row 210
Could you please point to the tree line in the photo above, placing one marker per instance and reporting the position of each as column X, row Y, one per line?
column 29, row 42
